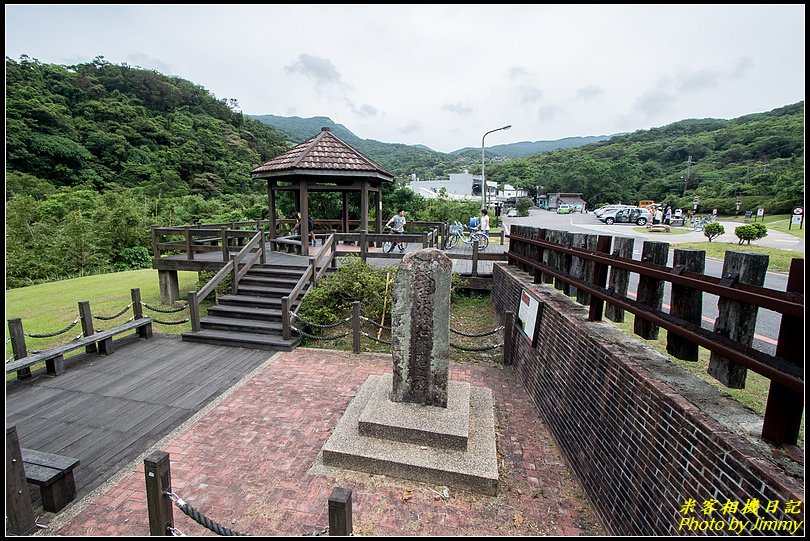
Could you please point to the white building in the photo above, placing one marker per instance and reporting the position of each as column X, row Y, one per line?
column 459, row 186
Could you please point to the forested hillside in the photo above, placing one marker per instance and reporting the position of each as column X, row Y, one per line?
column 758, row 157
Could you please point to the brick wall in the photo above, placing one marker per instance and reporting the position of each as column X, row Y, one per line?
column 642, row 434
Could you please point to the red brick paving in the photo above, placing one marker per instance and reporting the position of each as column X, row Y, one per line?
column 246, row 464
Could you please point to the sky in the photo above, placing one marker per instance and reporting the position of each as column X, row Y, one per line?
column 444, row 75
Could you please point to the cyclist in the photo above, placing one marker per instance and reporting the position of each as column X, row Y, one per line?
column 398, row 227
column 483, row 225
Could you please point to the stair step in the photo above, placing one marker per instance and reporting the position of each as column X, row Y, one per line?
column 269, row 281
column 241, row 339
column 258, row 326
column 263, row 291
column 245, row 312
column 249, row 300
column 288, row 272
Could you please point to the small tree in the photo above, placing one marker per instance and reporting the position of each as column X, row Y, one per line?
column 751, row 232
column 713, row 230
column 523, row 205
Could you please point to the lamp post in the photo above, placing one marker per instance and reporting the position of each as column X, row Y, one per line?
column 483, row 178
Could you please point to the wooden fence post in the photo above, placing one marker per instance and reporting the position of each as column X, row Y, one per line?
column 314, row 278
column 87, row 324
column 619, row 278
column 508, row 326
column 474, row 271
column 223, row 232
column 189, row 250
column 157, row 470
column 194, row 311
column 538, row 275
column 783, row 411
column 262, row 251
column 234, row 274
column 17, row 335
column 340, row 512
column 737, row 320
column 600, row 275
column 686, row 303
column 285, row 318
column 549, row 256
column 356, row 327
column 155, row 249
column 650, row 290
column 19, row 511
column 363, row 245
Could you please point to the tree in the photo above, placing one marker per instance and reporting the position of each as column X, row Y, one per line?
column 751, row 232
column 713, row 230
column 523, row 205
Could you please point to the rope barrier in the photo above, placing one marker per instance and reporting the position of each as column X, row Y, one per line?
column 8, row 340
column 379, row 326
column 374, row 338
column 10, row 359
column 164, row 310
column 119, row 314
column 475, row 335
column 318, row 326
column 318, row 532
column 314, row 337
column 201, row 519
column 175, row 532
column 484, row 348
column 180, row 322
column 48, row 335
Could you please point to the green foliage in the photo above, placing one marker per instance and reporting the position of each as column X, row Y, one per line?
column 448, row 210
column 137, row 257
column 523, row 205
column 353, row 281
column 713, row 230
column 759, row 158
column 223, row 288
column 751, row 232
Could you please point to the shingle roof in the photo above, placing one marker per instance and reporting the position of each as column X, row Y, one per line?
column 323, row 153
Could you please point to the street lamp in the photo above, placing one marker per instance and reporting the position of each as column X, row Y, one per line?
column 483, row 179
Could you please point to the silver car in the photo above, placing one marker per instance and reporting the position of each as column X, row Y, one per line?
column 632, row 215
column 610, row 209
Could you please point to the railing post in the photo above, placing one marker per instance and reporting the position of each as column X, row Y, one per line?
column 15, row 330
column 155, row 249
column 474, row 271
column 508, row 326
column 262, row 253
column 225, row 252
column 686, row 303
column 363, row 245
column 285, row 318
column 194, row 311
column 189, row 251
column 87, row 324
column 784, row 408
column 502, row 235
column 19, row 511
column 600, row 274
column 340, row 512
column 314, row 278
column 234, row 273
column 158, row 474
column 619, row 278
column 650, row 291
column 425, row 240
column 356, row 327
column 333, row 249
column 137, row 313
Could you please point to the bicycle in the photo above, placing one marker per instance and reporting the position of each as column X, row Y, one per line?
column 700, row 223
column 457, row 234
column 388, row 245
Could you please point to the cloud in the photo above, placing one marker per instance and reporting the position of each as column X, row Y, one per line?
column 458, row 108
column 363, row 111
column 320, row 69
column 411, row 128
column 149, row 62
column 548, row 112
column 588, row 92
column 654, row 102
column 529, row 94
column 515, row 72
column 743, row 65
column 698, row 80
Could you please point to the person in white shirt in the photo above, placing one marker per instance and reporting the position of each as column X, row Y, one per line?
column 483, row 225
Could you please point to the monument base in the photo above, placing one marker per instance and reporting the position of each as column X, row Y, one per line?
column 432, row 451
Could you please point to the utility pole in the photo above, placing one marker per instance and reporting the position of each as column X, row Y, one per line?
column 686, row 178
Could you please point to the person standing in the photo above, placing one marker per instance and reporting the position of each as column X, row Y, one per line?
column 668, row 215
column 657, row 216
column 397, row 224
column 483, row 225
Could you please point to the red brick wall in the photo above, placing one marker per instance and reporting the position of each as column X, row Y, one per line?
column 642, row 434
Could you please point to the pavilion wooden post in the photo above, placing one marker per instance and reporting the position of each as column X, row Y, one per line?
column 344, row 217
column 378, row 215
column 304, row 210
column 271, row 205
column 364, row 205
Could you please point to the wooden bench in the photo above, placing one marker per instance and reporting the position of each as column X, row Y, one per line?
column 55, row 358
column 287, row 245
column 53, row 474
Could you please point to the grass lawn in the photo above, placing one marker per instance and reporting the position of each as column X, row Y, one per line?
column 778, row 260
column 778, row 222
column 45, row 308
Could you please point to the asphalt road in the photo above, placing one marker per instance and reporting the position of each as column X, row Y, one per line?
column 767, row 329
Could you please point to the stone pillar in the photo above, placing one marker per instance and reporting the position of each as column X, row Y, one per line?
column 169, row 286
column 420, row 323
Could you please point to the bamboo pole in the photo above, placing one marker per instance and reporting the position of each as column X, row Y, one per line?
column 385, row 301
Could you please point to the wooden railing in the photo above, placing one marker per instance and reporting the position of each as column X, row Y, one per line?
column 578, row 265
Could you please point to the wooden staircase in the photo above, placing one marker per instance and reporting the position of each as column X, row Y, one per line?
column 252, row 317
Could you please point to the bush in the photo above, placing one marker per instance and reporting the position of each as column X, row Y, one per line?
column 353, row 281
column 713, row 230
column 523, row 205
column 751, row 232
column 223, row 288
column 138, row 257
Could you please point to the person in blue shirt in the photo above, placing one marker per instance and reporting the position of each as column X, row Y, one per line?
column 483, row 225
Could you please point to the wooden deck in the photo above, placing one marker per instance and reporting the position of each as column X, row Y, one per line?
column 106, row 411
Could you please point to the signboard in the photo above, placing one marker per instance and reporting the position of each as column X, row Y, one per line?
column 798, row 211
column 796, row 219
column 527, row 313
column 760, row 213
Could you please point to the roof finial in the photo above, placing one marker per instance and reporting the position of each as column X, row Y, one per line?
column 324, row 129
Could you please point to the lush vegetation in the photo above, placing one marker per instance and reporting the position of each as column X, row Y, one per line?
column 758, row 158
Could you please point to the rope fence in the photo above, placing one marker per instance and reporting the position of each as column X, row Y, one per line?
column 179, row 322
column 201, row 519
column 475, row 335
column 56, row 333
column 315, row 337
column 119, row 314
column 165, row 310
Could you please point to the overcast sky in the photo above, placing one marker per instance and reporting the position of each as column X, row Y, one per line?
column 443, row 75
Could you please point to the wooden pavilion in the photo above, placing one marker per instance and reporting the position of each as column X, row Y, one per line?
column 323, row 163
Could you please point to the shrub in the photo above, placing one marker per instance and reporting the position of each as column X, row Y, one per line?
column 751, row 232
column 713, row 230
column 523, row 205
column 137, row 257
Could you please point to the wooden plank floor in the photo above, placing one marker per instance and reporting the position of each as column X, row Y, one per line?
column 105, row 411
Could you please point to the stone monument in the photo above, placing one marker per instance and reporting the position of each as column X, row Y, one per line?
column 415, row 423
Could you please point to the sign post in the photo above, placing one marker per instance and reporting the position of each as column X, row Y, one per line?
column 797, row 218
column 760, row 214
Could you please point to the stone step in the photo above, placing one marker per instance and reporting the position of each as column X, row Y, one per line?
column 224, row 323
column 245, row 312
column 242, row 339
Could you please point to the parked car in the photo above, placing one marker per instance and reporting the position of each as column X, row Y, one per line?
column 564, row 209
column 610, row 208
column 512, row 213
column 627, row 215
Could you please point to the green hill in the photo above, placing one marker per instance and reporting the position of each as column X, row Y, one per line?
column 758, row 158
